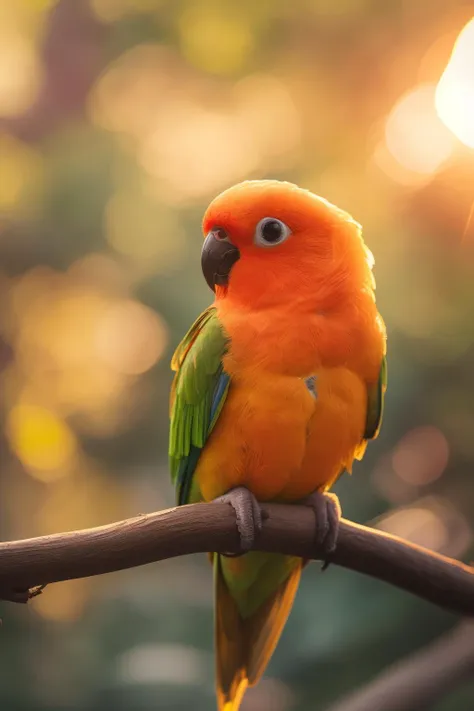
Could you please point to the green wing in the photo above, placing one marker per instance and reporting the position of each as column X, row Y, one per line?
column 376, row 394
column 198, row 394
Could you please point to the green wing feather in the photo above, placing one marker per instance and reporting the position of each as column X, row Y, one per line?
column 375, row 403
column 375, row 407
column 198, row 394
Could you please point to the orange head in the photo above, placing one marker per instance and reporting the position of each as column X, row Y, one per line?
column 269, row 242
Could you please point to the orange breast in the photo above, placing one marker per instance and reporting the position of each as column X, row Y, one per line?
column 273, row 435
column 281, row 441
column 260, row 438
column 334, row 432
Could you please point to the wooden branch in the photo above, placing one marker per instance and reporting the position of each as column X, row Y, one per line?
column 211, row 527
column 421, row 679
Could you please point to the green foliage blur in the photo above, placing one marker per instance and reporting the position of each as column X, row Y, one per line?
column 119, row 121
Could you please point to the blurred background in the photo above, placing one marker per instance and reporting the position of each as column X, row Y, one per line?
column 119, row 121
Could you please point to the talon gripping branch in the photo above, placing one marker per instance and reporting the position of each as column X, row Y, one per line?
column 279, row 385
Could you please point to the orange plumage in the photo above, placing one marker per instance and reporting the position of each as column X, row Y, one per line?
column 291, row 357
column 304, row 309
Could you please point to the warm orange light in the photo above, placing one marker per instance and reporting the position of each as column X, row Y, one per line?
column 20, row 73
column 414, row 134
column 193, row 136
column 455, row 90
column 130, row 337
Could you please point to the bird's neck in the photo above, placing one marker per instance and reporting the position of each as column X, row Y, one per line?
column 296, row 341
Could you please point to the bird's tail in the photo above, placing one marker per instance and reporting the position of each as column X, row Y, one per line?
column 244, row 644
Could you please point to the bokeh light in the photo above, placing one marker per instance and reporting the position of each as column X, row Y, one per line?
column 43, row 443
column 455, row 90
column 153, row 663
column 415, row 136
column 20, row 72
column 421, row 526
column 431, row 522
column 21, row 173
column 130, row 338
column 215, row 38
column 421, row 456
column 145, row 231
column 193, row 139
column 389, row 485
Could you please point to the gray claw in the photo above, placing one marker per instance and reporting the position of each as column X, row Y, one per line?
column 248, row 515
column 327, row 511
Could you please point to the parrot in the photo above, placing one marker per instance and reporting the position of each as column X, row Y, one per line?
column 278, row 387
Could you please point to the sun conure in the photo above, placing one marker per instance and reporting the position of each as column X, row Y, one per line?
column 278, row 387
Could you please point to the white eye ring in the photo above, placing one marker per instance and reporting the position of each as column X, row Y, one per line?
column 270, row 232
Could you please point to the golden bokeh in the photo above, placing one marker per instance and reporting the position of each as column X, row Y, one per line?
column 215, row 37
column 130, row 338
column 193, row 138
column 42, row 442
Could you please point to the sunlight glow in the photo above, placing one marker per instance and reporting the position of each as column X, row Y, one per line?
column 455, row 90
column 414, row 134
column 193, row 136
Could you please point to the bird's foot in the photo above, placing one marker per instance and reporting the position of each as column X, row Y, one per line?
column 327, row 511
column 248, row 515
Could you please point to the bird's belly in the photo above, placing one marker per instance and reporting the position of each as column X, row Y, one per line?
column 280, row 440
column 259, row 440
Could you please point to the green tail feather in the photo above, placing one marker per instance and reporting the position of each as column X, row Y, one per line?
column 254, row 595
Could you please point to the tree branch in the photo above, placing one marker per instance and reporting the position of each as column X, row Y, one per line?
column 211, row 527
column 420, row 679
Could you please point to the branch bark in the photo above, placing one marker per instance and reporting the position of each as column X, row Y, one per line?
column 421, row 679
column 27, row 564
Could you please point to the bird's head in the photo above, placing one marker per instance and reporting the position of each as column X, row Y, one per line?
column 268, row 241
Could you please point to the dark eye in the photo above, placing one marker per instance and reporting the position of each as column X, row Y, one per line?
column 270, row 232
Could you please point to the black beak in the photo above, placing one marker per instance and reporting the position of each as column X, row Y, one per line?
column 218, row 256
